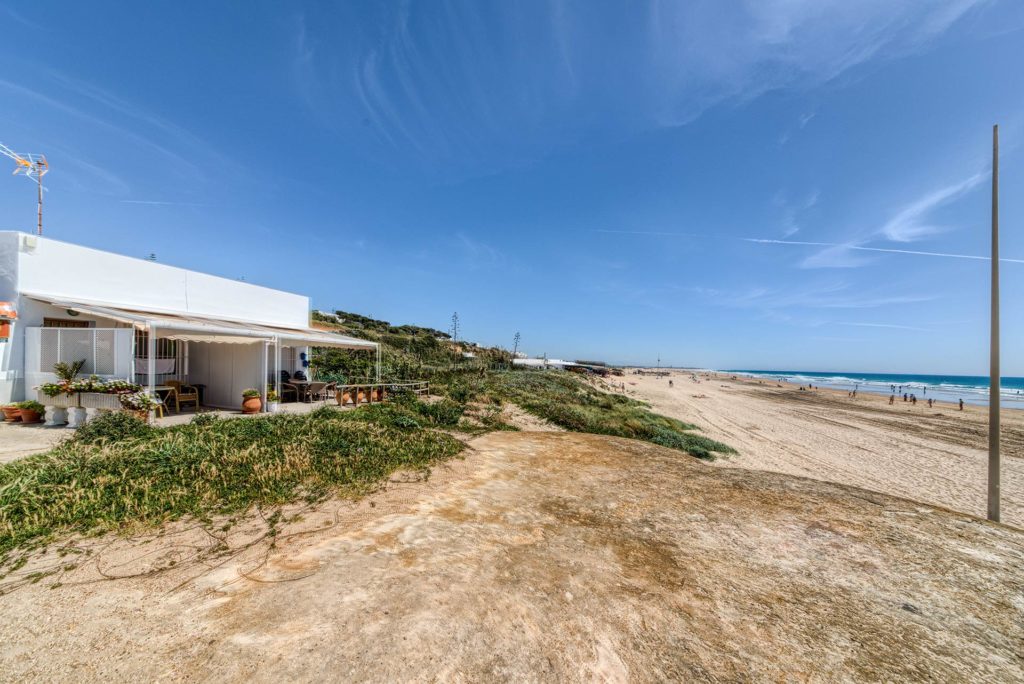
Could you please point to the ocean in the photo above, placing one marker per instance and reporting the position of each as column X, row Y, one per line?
column 973, row 389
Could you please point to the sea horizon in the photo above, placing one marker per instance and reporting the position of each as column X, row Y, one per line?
column 973, row 389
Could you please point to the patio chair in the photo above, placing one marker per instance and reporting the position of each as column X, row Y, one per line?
column 183, row 393
column 288, row 388
column 315, row 391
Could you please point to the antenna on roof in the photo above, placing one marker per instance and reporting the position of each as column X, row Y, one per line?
column 32, row 166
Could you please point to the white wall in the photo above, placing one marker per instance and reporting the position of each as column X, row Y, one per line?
column 226, row 370
column 11, row 379
column 62, row 270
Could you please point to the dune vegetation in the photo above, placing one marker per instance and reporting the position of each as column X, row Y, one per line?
column 117, row 472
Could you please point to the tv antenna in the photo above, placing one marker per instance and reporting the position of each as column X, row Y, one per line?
column 33, row 167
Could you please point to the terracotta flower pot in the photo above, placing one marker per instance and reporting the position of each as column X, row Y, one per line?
column 12, row 414
column 141, row 415
column 252, row 405
column 361, row 397
column 29, row 416
column 344, row 397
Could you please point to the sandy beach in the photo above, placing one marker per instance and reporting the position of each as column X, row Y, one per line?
column 933, row 455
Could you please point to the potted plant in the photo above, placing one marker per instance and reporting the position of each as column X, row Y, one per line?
column 12, row 414
column 137, row 403
column 273, row 401
column 251, row 402
column 30, row 411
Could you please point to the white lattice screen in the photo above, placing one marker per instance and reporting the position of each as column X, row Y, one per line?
column 106, row 351
column 95, row 345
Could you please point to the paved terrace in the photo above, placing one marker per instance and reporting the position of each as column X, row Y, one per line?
column 18, row 441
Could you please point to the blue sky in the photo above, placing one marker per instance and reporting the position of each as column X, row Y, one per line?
column 708, row 182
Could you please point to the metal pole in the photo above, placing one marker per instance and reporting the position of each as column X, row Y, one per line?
column 993, row 392
column 264, row 372
column 151, row 366
column 277, row 366
column 39, row 190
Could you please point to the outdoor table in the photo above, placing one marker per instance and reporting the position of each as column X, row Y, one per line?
column 302, row 386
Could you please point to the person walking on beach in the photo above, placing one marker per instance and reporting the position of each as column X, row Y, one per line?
column 904, row 396
column 929, row 403
column 892, row 399
column 961, row 404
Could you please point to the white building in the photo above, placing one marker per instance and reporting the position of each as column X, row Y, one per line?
column 136, row 319
column 549, row 364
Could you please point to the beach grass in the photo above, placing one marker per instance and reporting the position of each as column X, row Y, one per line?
column 116, row 472
column 569, row 402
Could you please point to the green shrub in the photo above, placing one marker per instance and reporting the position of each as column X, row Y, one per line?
column 445, row 412
column 115, row 473
column 112, row 427
column 31, row 405
column 201, row 419
column 461, row 393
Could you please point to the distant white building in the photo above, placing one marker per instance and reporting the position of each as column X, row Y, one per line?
column 139, row 320
column 550, row 364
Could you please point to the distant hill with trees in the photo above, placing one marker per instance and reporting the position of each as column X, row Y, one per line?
column 408, row 352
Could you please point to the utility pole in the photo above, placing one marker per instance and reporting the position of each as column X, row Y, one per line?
column 993, row 387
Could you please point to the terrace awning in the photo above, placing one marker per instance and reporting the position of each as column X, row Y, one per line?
column 202, row 329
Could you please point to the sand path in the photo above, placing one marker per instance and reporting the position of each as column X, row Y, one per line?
column 552, row 557
column 937, row 456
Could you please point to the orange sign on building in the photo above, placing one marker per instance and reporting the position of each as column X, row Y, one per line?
column 7, row 314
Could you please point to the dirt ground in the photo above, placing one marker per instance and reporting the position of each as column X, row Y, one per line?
column 546, row 557
column 937, row 455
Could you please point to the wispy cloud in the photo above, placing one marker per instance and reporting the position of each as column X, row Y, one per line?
column 838, row 248
column 164, row 203
column 893, row 326
column 646, row 232
column 837, row 295
column 793, row 211
column 20, row 18
column 862, row 248
column 910, row 223
column 478, row 255
column 127, row 134
column 469, row 93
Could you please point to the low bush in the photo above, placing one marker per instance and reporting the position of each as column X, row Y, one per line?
column 571, row 403
column 444, row 413
column 112, row 427
column 116, row 473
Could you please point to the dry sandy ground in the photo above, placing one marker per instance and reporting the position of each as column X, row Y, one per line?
column 938, row 456
column 549, row 557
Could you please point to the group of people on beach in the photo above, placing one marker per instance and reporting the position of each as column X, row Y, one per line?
column 912, row 398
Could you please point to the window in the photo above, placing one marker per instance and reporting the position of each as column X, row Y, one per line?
column 64, row 323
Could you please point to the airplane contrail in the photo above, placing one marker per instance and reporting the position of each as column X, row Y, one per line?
column 804, row 243
column 765, row 241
